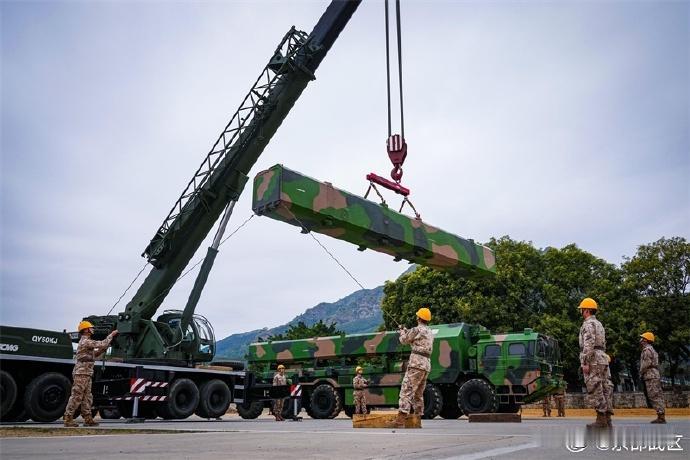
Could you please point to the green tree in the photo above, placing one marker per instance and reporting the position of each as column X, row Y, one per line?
column 302, row 331
column 659, row 274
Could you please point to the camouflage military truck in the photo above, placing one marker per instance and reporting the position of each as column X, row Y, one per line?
column 472, row 370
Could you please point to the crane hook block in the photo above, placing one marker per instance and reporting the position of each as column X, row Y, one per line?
column 291, row 197
column 397, row 151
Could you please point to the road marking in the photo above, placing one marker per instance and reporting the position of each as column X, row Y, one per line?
column 494, row 452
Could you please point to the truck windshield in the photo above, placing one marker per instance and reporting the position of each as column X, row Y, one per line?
column 547, row 349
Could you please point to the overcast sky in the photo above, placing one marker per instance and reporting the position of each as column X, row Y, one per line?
column 554, row 122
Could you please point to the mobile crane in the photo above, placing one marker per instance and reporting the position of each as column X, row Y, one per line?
column 155, row 361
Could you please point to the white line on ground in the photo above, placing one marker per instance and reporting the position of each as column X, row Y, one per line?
column 494, row 452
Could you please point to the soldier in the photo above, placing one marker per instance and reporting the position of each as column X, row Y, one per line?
column 559, row 398
column 87, row 352
column 421, row 341
column 546, row 406
column 279, row 379
column 359, row 383
column 608, row 390
column 593, row 362
column 649, row 371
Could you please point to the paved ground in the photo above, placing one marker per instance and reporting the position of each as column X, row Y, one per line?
column 263, row 438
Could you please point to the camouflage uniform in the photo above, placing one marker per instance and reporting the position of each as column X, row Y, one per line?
column 608, row 390
column 593, row 353
column 359, row 383
column 278, row 379
column 559, row 398
column 546, row 406
column 421, row 340
column 649, row 371
column 81, row 396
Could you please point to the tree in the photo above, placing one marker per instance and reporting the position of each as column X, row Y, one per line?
column 659, row 274
column 302, row 331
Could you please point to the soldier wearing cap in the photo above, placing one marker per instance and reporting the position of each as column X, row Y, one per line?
column 559, row 398
column 546, row 406
column 87, row 352
column 649, row 371
column 279, row 379
column 421, row 341
column 593, row 362
column 359, row 383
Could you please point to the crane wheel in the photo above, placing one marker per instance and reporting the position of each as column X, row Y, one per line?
column 46, row 397
column 8, row 393
column 183, row 399
column 214, row 399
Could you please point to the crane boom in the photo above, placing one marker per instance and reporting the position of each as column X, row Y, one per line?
column 223, row 173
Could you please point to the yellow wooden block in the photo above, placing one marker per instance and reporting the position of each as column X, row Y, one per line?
column 384, row 419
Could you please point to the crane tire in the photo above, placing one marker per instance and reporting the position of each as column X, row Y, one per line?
column 8, row 393
column 252, row 411
column 214, row 399
column 46, row 397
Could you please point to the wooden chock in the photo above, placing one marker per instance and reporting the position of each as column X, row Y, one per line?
column 384, row 419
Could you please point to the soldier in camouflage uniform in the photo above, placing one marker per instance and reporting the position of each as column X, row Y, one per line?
column 559, row 398
column 546, row 406
column 649, row 371
column 87, row 352
column 279, row 379
column 594, row 363
column 359, row 383
column 421, row 341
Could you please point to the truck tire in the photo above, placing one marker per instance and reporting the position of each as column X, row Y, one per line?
column 433, row 401
column 109, row 413
column 450, row 409
column 252, row 411
column 477, row 396
column 16, row 413
column 183, row 399
column 214, row 399
column 46, row 397
column 325, row 402
column 288, row 407
column 8, row 393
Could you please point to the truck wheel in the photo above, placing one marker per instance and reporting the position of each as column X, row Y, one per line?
column 433, row 401
column 252, row 411
column 288, row 407
column 450, row 409
column 46, row 397
column 183, row 399
column 16, row 414
column 214, row 399
column 475, row 396
column 325, row 402
column 8, row 393
column 109, row 413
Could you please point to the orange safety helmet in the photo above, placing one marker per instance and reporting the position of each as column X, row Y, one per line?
column 589, row 304
column 84, row 325
column 648, row 336
column 424, row 313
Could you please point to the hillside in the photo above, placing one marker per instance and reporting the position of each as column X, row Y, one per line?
column 357, row 312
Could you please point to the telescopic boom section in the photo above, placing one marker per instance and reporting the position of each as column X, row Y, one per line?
column 223, row 174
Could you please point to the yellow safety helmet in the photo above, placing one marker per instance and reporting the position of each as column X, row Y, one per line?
column 84, row 325
column 359, row 368
column 424, row 313
column 648, row 336
column 280, row 366
column 588, row 303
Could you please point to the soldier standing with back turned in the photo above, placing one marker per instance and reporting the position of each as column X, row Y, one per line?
column 87, row 352
column 359, row 383
column 559, row 398
column 649, row 371
column 421, row 341
column 594, row 362
column 278, row 380
column 546, row 406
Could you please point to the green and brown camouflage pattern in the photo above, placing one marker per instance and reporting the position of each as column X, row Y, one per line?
column 459, row 354
column 291, row 197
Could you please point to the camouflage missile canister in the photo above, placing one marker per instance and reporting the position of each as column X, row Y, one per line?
column 472, row 370
column 291, row 197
